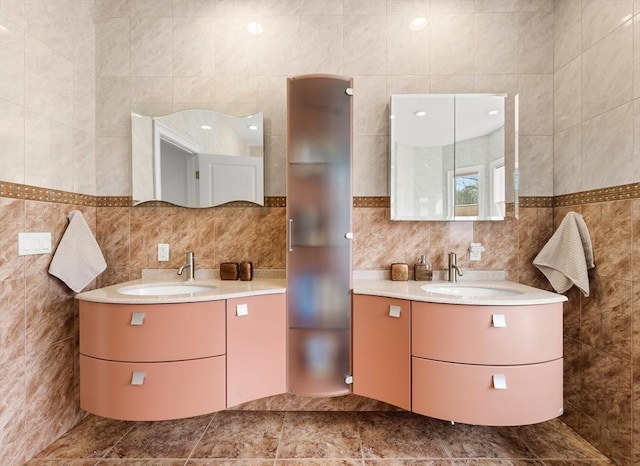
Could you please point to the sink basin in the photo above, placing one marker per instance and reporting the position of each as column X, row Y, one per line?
column 165, row 290
column 469, row 291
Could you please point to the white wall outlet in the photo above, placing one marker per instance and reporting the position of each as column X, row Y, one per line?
column 163, row 252
column 34, row 243
column 475, row 252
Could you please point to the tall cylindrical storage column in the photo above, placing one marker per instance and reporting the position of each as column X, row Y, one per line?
column 319, row 206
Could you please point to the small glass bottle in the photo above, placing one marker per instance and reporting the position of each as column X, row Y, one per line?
column 423, row 271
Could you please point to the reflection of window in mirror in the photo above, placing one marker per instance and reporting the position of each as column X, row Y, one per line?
column 465, row 188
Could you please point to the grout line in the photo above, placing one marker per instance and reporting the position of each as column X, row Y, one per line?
column 200, row 438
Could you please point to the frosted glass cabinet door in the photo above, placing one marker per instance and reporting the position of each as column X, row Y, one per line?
column 319, row 203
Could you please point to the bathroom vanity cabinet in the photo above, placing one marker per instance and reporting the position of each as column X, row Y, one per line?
column 487, row 365
column 148, row 362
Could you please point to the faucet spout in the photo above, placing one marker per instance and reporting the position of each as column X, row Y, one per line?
column 454, row 270
column 190, row 265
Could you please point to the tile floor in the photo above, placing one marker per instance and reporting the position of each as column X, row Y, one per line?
column 260, row 438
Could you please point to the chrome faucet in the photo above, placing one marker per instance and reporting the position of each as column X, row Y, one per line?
column 191, row 265
column 454, row 270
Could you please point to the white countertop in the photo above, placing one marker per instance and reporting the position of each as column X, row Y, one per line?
column 412, row 290
column 223, row 289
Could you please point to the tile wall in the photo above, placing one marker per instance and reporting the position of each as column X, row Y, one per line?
column 596, row 127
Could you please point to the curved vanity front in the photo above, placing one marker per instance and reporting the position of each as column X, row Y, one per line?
column 155, row 357
column 491, row 359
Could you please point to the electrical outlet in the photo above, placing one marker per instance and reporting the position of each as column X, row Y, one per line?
column 163, row 252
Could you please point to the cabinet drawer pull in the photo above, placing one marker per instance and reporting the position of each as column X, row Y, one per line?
column 499, row 320
column 137, row 318
column 499, row 382
column 394, row 311
column 242, row 310
column 137, row 378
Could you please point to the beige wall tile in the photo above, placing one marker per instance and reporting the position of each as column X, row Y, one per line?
column 276, row 166
column 450, row 56
column 113, row 111
column 321, row 48
column 536, row 104
column 567, row 96
column 230, row 35
column 113, row 48
column 192, row 89
column 236, row 89
column 150, row 46
column 12, row 142
column 151, row 8
column 497, row 83
column 636, row 56
column 14, row 11
column 535, row 5
column 370, row 106
column 370, row 162
column 151, row 89
column 407, row 85
column 84, row 163
column 600, row 17
column 364, row 7
column 408, row 7
column 51, row 23
column 279, row 46
column 84, row 36
column 495, row 6
column 48, row 82
column 12, row 50
column 278, row 7
column 607, row 148
column 636, row 141
column 112, row 9
column 272, row 89
column 223, row 7
column 364, row 45
column 567, row 161
column 451, row 83
column 536, row 165
column 193, row 46
column 607, row 72
column 495, row 50
column 321, row 7
column 113, row 156
column 566, row 31
column 535, row 53
column 408, row 51
column 439, row 7
column 84, row 100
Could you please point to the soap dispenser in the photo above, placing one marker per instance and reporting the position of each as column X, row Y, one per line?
column 423, row 271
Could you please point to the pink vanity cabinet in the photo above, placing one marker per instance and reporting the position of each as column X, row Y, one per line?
column 256, row 348
column 381, row 349
column 487, row 365
column 149, row 362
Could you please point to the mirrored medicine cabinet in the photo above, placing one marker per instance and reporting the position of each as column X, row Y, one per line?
column 449, row 157
column 197, row 158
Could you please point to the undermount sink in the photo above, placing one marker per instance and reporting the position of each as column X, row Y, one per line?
column 469, row 291
column 165, row 290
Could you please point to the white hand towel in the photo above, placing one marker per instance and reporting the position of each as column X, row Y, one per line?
column 567, row 256
column 78, row 258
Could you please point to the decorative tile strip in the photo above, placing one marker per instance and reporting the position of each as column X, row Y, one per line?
column 275, row 201
column 34, row 193
column 371, row 201
column 535, row 201
column 114, row 201
column 615, row 193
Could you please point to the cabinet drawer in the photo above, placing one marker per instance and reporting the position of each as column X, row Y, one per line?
column 470, row 394
column 152, row 391
column 494, row 335
column 152, row 332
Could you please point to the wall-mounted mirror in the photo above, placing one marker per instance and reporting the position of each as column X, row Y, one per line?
column 448, row 158
column 197, row 158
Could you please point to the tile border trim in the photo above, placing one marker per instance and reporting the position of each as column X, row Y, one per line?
column 34, row 193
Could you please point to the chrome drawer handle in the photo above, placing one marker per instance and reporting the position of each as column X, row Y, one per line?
column 137, row 318
column 499, row 382
column 137, row 378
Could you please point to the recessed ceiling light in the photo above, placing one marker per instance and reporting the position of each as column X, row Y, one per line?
column 419, row 113
column 417, row 23
column 252, row 127
column 492, row 112
column 205, row 127
column 254, row 28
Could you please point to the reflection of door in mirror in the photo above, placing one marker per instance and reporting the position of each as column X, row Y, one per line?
column 198, row 158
